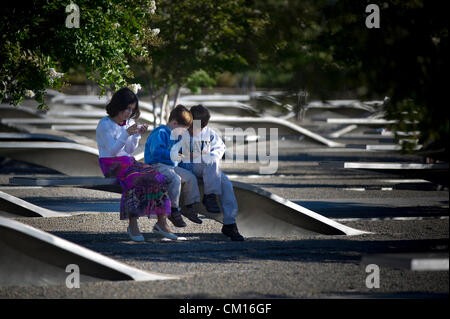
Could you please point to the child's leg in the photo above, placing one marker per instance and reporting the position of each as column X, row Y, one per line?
column 228, row 201
column 173, row 182
column 174, row 190
column 211, row 174
column 190, row 191
column 230, row 209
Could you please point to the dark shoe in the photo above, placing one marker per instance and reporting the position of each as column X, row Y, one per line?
column 210, row 203
column 232, row 232
column 176, row 219
column 191, row 213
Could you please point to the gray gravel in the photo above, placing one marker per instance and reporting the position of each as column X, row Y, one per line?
column 409, row 220
column 210, row 266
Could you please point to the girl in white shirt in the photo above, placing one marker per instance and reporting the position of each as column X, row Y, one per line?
column 144, row 190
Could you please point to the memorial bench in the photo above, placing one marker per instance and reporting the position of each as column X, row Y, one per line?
column 261, row 213
column 436, row 172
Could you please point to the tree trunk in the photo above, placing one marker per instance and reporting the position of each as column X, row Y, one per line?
column 302, row 102
column 152, row 96
column 177, row 96
column 163, row 114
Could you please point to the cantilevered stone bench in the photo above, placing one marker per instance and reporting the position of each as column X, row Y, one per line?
column 30, row 256
column 360, row 121
column 8, row 111
column 347, row 108
column 283, row 126
column 11, row 206
column 48, row 121
column 232, row 108
column 386, row 165
column 96, row 114
column 67, row 158
column 95, row 100
column 261, row 213
column 33, row 137
column 437, row 172
column 215, row 97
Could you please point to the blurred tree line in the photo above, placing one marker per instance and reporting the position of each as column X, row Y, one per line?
column 324, row 47
column 40, row 43
column 319, row 48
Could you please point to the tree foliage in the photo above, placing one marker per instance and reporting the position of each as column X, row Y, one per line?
column 405, row 59
column 202, row 35
column 35, row 42
column 325, row 47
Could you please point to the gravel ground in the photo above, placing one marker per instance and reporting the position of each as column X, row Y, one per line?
column 411, row 220
column 211, row 266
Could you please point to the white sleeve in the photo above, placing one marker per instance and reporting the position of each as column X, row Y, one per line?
column 218, row 147
column 107, row 140
column 133, row 142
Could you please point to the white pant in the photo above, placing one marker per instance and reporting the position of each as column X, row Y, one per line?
column 176, row 176
column 216, row 182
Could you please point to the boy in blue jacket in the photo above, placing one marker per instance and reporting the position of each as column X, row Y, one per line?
column 162, row 153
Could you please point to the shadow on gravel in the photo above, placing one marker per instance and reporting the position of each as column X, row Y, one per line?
column 245, row 295
column 389, row 295
column 86, row 205
column 215, row 248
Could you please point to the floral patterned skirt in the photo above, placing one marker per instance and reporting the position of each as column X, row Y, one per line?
column 144, row 190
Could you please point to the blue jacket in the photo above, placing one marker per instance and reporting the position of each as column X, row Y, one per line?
column 158, row 146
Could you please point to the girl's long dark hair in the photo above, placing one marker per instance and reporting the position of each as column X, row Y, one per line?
column 120, row 101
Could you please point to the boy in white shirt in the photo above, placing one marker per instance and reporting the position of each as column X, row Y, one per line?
column 210, row 147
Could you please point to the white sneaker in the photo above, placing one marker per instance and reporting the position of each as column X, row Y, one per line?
column 158, row 230
column 138, row 238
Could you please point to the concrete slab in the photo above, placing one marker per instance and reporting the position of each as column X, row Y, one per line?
column 283, row 126
column 215, row 97
column 261, row 213
column 48, row 121
column 11, row 206
column 232, row 108
column 34, row 257
column 9, row 111
column 67, row 158
column 32, row 137
column 410, row 261
column 360, row 121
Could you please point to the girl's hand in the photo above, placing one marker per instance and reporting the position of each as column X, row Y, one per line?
column 133, row 129
column 142, row 128
column 180, row 157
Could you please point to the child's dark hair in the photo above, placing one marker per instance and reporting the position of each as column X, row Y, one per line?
column 182, row 115
column 199, row 112
column 120, row 101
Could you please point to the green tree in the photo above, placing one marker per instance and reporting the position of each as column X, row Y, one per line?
column 199, row 35
column 324, row 47
column 290, row 57
column 405, row 59
column 35, row 42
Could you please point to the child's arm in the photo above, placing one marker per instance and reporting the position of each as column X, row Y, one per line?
column 107, row 139
column 133, row 142
column 218, row 147
column 157, row 147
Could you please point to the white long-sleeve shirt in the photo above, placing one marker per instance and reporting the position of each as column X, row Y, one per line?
column 207, row 141
column 113, row 140
column 214, row 144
